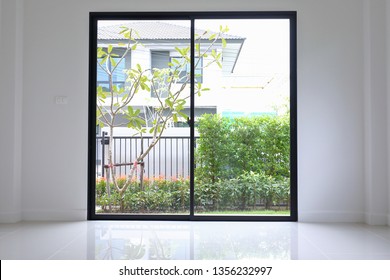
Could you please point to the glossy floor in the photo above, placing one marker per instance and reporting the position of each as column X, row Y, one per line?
column 192, row 240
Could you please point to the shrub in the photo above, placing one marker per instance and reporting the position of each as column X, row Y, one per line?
column 250, row 190
column 228, row 147
column 212, row 148
column 241, row 163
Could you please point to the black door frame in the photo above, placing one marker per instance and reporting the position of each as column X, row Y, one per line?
column 191, row 16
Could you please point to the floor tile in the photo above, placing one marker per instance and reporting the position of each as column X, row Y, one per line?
column 154, row 240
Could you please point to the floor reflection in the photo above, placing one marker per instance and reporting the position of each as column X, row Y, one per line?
column 191, row 241
column 164, row 240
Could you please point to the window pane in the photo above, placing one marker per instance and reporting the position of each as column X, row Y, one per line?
column 119, row 74
column 115, row 63
column 142, row 155
column 243, row 149
column 160, row 60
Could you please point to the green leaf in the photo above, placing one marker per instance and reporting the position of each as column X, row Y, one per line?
column 185, row 116
column 175, row 119
column 101, row 53
column 179, row 107
column 109, row 49
column 113, row 62
column 169, row 103
column 124, row 97
column 138, row 121
column 179, row 50
column 136, row 33
column 223, row 42
column 104, row 59
column 146, row 87
column 126, row 35
column 124, row 29
column 197, row 48
column 175, row 61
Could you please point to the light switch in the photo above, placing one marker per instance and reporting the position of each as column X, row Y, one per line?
column 61, row 100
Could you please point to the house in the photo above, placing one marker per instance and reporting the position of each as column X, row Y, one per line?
column 157, row 48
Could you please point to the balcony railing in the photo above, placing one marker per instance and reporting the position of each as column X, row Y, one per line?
column 170, row 158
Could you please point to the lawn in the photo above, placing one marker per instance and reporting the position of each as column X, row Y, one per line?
column 247, row 212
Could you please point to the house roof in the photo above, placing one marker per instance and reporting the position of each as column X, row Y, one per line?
column 153, row 30
column 164, row 31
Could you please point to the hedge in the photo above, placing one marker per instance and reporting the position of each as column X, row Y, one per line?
column 241, row 163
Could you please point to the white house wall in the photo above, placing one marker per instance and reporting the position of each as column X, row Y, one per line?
column 335, row 128
column 212, row 78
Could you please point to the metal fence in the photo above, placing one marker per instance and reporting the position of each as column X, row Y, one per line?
column 170, row 158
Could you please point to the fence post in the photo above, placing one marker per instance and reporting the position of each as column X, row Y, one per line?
column 103, row 142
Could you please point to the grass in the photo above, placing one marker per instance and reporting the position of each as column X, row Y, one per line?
column 260, row 212
column 247, row 212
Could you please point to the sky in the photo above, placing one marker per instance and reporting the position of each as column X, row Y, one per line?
column 266, row 48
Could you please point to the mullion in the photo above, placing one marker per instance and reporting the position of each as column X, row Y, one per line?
column 192, row 121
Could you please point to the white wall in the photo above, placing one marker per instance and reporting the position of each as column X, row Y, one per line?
column 342, row 113
column 388, row 103
column 375, row 108
column 10, row 111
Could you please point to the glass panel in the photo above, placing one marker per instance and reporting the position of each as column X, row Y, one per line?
column 242, row 154
column 142, row 153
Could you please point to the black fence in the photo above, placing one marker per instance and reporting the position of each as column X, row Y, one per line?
column 170, row 158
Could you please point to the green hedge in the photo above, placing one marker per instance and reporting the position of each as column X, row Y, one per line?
column 227, row 148
column 248, row 191
column 241, row 163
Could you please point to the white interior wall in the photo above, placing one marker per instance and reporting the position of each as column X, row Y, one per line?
column 10, row 110
column 375, row 108
column 342, row 114
column 388, row 102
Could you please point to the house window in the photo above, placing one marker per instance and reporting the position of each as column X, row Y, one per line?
column 118, row 75
column 184, row 73
column 160, row 60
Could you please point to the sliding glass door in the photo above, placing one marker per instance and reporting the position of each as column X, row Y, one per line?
column 243, row 146
column 192, row 116
column 142, row 102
